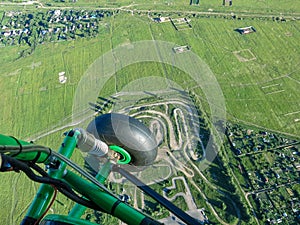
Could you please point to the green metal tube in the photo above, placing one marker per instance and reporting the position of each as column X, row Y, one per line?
column 8, row 140
column 104, row 172
column 67, row 148
column 25, row 156
column 78, row 210
column 45, row 192
column 40, row 202
column 66, row 219
column 108, row 203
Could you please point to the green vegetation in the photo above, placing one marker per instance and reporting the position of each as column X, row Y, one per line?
column 266, row 166
column 258, row 74
column 267, row 6
column 34, row 28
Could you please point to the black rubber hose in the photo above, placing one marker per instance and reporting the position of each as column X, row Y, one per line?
column 61, row 186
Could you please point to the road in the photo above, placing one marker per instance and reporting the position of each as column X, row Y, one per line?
column 134, row 7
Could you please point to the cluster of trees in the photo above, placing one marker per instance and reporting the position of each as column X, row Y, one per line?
column 34, row 28
column 204, row 126
column 277, row 206
column 249, row 141
column 270, row 171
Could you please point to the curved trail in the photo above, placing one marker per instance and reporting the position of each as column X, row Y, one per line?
column 179, row 165
column 178, row 114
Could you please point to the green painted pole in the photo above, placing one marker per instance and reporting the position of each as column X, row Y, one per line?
column 6, row 141
column 104, row 172
column 78, row 210
column 45, row 192
column 106, row 202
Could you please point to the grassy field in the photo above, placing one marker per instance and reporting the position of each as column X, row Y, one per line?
column 259, row 74
column 257, row 6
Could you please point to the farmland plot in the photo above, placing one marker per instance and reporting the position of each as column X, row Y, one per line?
column 263, row 91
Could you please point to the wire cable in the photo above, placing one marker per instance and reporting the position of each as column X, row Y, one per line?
column 39, row 148
column 60, row 185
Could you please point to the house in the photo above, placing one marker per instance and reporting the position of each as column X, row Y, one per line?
column 57, row 12
column 7, row 34
column 25, row 30
column 44, row 32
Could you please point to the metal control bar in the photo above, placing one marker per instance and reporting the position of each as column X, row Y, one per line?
column 160, row 199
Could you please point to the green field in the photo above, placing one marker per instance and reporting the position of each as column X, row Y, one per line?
column 257, row 6
column 259, row 73
column 262, row 91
